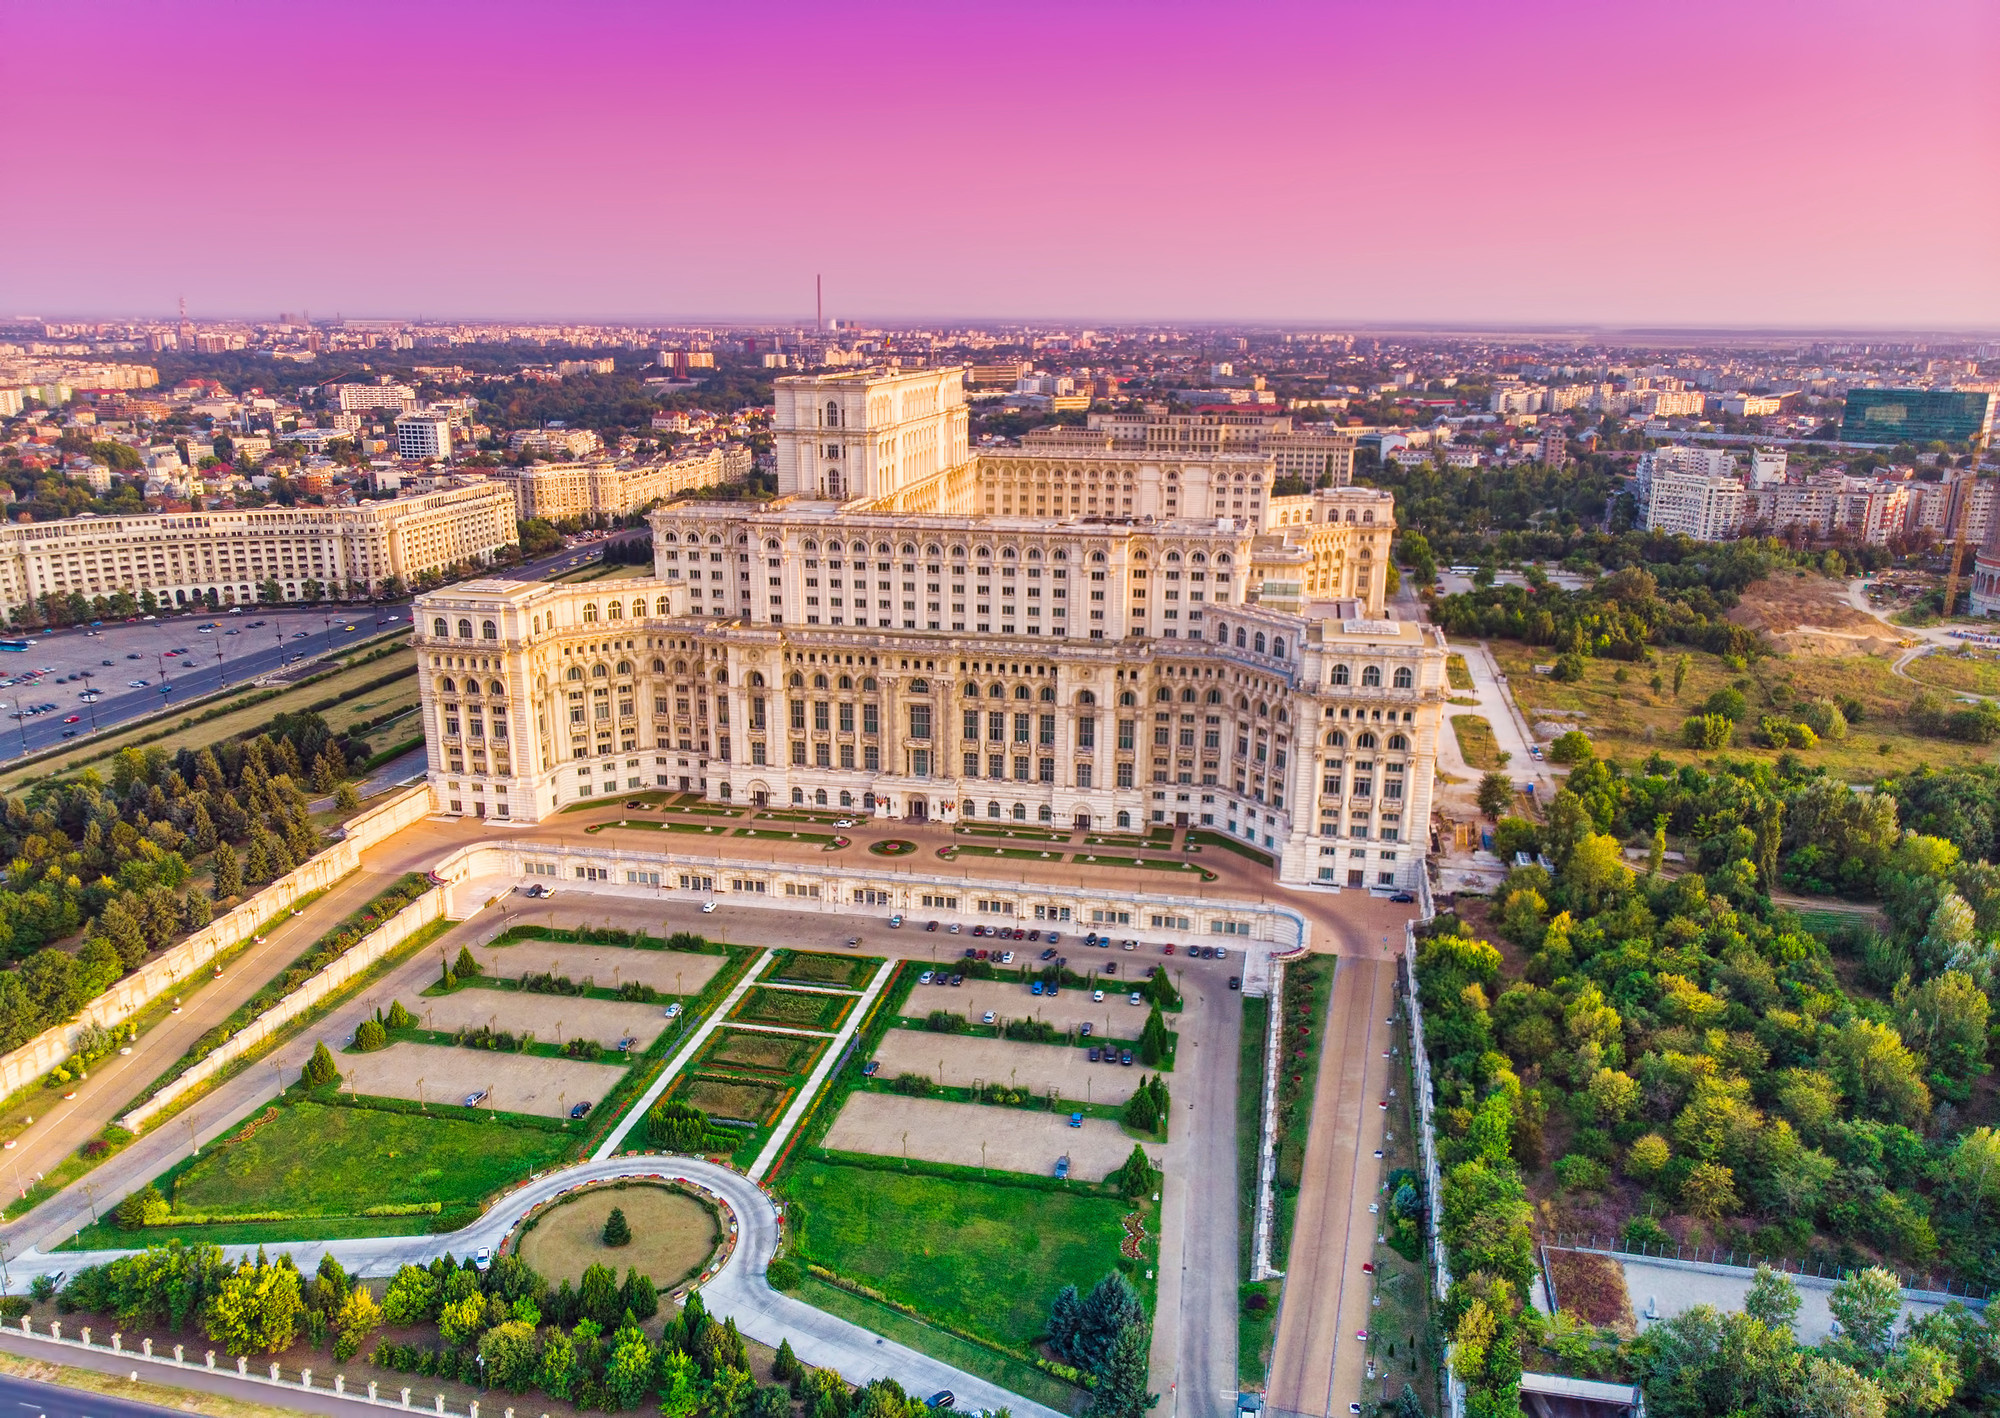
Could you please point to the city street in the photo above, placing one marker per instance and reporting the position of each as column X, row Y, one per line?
column 109, row 658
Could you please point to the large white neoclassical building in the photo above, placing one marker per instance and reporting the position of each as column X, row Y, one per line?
column 1063, row 632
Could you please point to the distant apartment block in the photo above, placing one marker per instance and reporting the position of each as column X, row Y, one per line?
column 1750, row 406
column 1916, row 415
column 559, row 491
column 563, row 442
column 351, row 397
column 184, row 558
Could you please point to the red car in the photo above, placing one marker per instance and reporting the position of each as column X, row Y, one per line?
column 1170, row 950
column 74, row 719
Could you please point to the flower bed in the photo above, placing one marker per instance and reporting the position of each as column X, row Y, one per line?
column 892, row 847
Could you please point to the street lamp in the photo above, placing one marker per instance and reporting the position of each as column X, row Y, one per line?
column 20, row 723
column 89, row 697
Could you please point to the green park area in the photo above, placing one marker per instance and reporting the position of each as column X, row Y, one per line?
column 982, row 1257
column 307, row 1169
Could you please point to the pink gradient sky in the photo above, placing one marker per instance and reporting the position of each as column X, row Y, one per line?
column 1759, row 162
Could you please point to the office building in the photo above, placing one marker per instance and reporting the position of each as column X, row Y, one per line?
column 424, row 436
column 223, row 557
column 898, row 650
column 1916, row 416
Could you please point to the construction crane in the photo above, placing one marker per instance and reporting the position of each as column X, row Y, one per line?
column 1964, row 520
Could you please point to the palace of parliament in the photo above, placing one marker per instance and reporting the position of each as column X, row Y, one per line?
column 1094, row 628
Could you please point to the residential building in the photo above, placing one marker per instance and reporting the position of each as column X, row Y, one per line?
column 560, row 491
column 564, row 442
column 904, row 652
column 1916, row 415
column 350, row 397
column 1767, row 466
column 424, row 437
column 223, row 557
column 1750, row 406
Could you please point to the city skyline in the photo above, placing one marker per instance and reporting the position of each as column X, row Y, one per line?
column 1433, row 166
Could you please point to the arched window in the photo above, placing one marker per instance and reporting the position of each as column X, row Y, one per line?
column 868, row 684
column 845, row 683
column 624, row 667
column 1045, row 813
column 1163, row 695
column 1020, row 691
column 575, row 672
column 1404, row 679
column 1336, row 739
column 722, row 677
column 819, row 681
column 993, row 810
column 1364, row 740
column 1048, row 695
column 660, row 666
column 1340, row 674
column 1214, row 697
column 615, row 611
column 590, row 614
column 846, row 798
column 996, row 691
column 599, row 672
column 448, row 685
column 968, row 808
column 1257, row 643
column 1278, row 646
column 1086, row 697
column 1020, row 812
column 496, row 690
column 1127, row 699
column 1124, row 818
column 472, row 687
column 1398, row 743
column 638, row 609
column 756, row 679
column 1187, row 695
column 919, row 686
column 832, row 414
column 799, row 797
column 662, row 607
column 439, row 628
column 819, row 798
column 798, row 681
column 1240, row 637
column 488, row 630
column 1371, row 678
column 972, row 691
column 465, row 630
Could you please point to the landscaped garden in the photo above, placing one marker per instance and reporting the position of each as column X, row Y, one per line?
column 670, row 1233
column 892, row 847
column 810, row 967
column 793, row 1009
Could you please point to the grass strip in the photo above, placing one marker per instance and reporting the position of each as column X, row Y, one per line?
column 1230, row 844
column 1308, row 987
column 1476, row 741
column 973, row 1358
column 1255, row 1327
column 316, row 957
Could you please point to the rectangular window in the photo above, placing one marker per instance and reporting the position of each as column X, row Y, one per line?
column 798, row 714
column 1047, row 731
column 871, row 720
column 871, row 757
column 757, row 712
column 920, row 721
column 1124, row 775
column 972, row 723
column 972, row 765
column 799, row 752
column 1086, row 732
column 1125, row 730
column 1046, row 770
column 819, row 716
column 822, row 755
column 1083, row 775
column 996, row 727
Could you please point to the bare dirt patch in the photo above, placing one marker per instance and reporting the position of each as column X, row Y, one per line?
column 1785, row 602
column 1592, row 1287
column 669, row 971
column 442, row 1077
column 1015, row 1139
column 673, row 1235
column 1071, row 1009
column 553, row 1019
column 1036, row 1067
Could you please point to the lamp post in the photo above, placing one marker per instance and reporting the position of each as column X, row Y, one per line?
column 20, row 723
column 89, row 698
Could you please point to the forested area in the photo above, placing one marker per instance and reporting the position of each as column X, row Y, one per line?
column 116, row 861
column 1665, row 1052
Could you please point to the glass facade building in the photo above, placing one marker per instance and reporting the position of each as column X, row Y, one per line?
column 1915, row 415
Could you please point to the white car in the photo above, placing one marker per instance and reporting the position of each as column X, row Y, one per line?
column 1097, row 997
column 707, row 907
column 1135, row 998
column 673, row 1011
column 987, row 1018
column 482, row 1259
column 1006, row 956
column 845, row 822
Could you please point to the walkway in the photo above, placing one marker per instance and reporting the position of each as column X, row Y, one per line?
column 738, row 1291
column 1320, row 1355
column 828, row 1059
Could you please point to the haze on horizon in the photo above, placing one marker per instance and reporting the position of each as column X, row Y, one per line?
column 1556, row 165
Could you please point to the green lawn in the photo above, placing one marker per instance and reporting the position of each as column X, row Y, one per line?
column 1230, row 844
column 984, row 1257
column 1476, row 741
column 319, row 1160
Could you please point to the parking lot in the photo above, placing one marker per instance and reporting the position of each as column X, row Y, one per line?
column 443, row 1077
column 674, row 972
column 552, row 1019
column 1071, row 1009
column 974, row 1135
column 959, row 1062
column 58, row 668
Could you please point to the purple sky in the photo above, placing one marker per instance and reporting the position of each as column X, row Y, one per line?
column 1751, row 163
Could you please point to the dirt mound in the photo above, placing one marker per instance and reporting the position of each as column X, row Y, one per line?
column 1785, row 602
column 1817, row 642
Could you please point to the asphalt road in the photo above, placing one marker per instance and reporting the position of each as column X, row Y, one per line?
column 264, row 639
column 26, row 1396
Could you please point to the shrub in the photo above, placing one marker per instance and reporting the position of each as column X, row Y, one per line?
column 320, row 1071
column 1569, row 669
column 1571, row 748
column 784, row 1274
column 942, row 1021
column 1729, row 703
column 1706, row 731
column 1645, row 1157
column 675, row 1126
column 914, row 1085
column 617, row 1231
column 1579, row 1173
column 370, row 1036
column 465, row 967
column 145, row 1207
column 400, row 1018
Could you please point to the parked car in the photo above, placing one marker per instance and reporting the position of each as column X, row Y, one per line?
column 1168, row 949
column 845, row 822
column 1111, row 967
column 1034, row 935
column 951, row 929
column 1062, row 1168
column 925, row 978
column 473, row 1100
column 1084, row 1029
column 1095, row 1053
column 482, row 1259
column 869, row 1069
column 1076, row 1120
column 1049, row 954
column 1135, row 998
column 581, row 1110
column 707, row 907
column 1034, row 987
column 932, row 926
column 1403, row 898
column 1235, row 982
column 1125, row 1058
column 1097, row 997
column 987, row 1018
column 895, row 923
column 1006, row 957
column 673, row 1011
column 1055, row 937
column 943, row 1398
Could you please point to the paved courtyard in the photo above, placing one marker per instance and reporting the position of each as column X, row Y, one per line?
column 1038, row 1067
column 442, row 1076
column 677, row 972
column 1014, row 1139
column 552, row 1019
